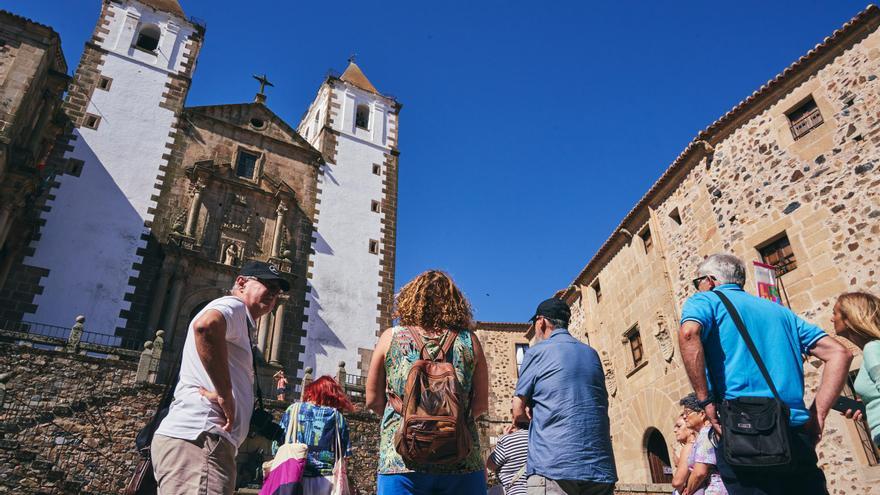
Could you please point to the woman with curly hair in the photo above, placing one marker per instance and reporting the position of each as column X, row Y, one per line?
column 857, row 318
column 435, row 309
column 318, row 419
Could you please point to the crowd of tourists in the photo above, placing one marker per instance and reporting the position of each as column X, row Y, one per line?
column 745, row 428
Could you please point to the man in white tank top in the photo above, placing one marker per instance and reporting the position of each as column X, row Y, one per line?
column 194, row 448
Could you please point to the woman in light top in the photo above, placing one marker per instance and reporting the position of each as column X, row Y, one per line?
column 857, row 318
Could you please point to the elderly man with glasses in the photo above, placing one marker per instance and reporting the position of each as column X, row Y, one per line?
column 710, row 341
column 562, row 382
column 193, row 449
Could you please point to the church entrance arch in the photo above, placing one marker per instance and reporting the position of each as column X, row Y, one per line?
column 658, row 457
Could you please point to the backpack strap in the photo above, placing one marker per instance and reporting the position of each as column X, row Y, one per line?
column 737, row 320
column 419, row 342
column 448, row 343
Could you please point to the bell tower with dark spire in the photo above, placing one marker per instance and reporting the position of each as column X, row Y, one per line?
column 351, row 275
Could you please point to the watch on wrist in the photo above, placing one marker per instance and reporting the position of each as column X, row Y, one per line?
column 704, row 403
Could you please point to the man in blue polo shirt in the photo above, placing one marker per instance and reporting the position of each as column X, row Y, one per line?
column 561, row 379
column 709, row 335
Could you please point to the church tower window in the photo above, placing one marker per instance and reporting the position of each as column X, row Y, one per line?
column 246, row 164
column 148, row 38
column 362, row 116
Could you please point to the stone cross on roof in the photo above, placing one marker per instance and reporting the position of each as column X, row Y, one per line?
column 264, row 81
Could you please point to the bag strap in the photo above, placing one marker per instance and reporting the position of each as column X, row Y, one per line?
column 292, row 423
column 339, row 453
column 737, row 320
column 423, row 347
column 519, row 474
column 254, row 352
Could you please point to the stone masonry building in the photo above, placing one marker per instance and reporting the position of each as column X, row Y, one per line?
column 33, row 76
column 789, row 177
column 153, row 206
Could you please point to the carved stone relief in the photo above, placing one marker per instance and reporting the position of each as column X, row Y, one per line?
column 179, row 221
column 667, row 348
column 231, row 251
column 238, row 215
column 610, row 377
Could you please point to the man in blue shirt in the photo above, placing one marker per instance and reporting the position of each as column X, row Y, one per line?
column 561, row 379
column 709, row 335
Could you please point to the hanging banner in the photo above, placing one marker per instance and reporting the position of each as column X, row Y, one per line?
column 765, row 279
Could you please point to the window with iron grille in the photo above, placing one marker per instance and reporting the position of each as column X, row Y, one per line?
column 804, row 118
column 872, row 453
column 779, row 254
column 635, row 345
column 246, row 164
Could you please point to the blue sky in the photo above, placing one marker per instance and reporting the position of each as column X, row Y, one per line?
column 528, row 130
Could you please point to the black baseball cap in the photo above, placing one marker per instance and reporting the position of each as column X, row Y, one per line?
column 265, row 271
column 552, row 308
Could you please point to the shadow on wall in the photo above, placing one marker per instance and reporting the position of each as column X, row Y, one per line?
column 89, row 243
column 321, row 245
column 319, row 337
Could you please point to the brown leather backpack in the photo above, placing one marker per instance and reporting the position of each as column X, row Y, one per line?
column 433, row 427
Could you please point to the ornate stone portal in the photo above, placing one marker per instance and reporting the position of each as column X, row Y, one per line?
column 576, row 325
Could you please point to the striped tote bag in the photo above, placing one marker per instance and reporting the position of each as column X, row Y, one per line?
column 286, row 471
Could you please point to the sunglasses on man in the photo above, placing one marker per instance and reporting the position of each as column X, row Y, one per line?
column 698, row 280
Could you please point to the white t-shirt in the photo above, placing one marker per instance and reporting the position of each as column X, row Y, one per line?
column 190, row 413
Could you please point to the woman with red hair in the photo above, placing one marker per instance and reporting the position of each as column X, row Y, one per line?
column 318, row 422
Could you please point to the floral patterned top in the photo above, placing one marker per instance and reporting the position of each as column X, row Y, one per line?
column 704, row 452
column 402, row 352
column 317, row 429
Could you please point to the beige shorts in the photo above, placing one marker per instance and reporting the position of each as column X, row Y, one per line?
column 204, row 466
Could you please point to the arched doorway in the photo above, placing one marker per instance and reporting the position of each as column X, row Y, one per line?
column 658, row 457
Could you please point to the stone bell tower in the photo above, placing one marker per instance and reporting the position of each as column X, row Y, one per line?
column 351, row 274
column 124, row 103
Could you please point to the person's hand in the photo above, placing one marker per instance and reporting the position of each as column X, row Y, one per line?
column 509, row 429
column 853, row 415
column 227, row 406
column 712, row 416
column 815, row 425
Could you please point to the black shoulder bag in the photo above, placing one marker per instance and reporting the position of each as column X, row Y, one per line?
column 143, row 481
column 262, row 422
column 755, row 429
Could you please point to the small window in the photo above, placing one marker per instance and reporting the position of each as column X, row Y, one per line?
column 520, row 354
column 246, row 164
column 148, row 38
column 778, row 253
column 92, row 121
column 646, row 239
column 634, row 337
column 258, row 123
column 804, row 118
column 675, row 216
column 74, row 167
column 374, row 206
column 598, row 290
column 374, row 246
column 362, row 116
column 317, row 119
column 377, row 169
column 104, row 83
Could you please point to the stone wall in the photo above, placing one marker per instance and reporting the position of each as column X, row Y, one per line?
column 742, row 183
column 68, row 421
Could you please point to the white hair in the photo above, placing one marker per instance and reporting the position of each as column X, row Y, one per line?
column 724, row 268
